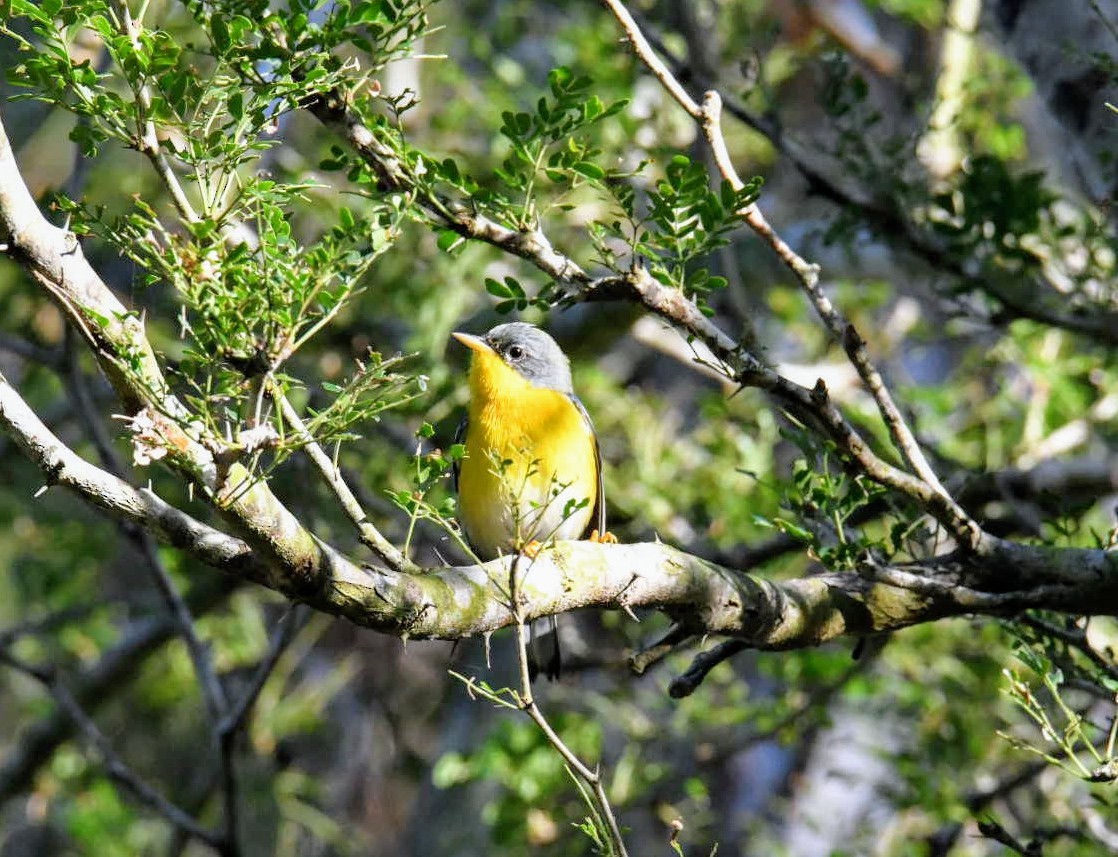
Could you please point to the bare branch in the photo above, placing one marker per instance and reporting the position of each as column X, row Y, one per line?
column 592, row 778
column 371, row 537
column 687, row 683
column 293, row 619
column 61, row 466
column 116, row 767
column 709, row 117
column 46, row 623
column 451, row 603
column 675, row 638
column 638, row 285
column 212, row 691
column 1021, row 296
column 234, row 720
column 29, row 350
column 993, row 830
column 116, row 665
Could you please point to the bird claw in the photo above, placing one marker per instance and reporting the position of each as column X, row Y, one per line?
column 606, row 538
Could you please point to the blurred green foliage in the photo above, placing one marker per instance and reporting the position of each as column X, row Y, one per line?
column 534, row 116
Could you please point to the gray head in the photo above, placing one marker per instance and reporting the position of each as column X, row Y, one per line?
column 531, row 352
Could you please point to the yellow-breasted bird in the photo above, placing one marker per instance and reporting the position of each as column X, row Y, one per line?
column 532, row 471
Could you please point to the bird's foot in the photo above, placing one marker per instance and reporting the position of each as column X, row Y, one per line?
column 606, row 538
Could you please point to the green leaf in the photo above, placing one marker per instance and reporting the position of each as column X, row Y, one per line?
column 448, row 240
column 219, row 33
column 590, row 170
column 498, row 290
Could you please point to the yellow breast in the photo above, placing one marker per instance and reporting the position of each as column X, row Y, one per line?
column 530, row 471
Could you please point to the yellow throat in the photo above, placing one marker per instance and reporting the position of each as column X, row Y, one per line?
column 530, row 471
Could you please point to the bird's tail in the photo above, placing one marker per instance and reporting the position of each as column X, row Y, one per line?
column 543, row 648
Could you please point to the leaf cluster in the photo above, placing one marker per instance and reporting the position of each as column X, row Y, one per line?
column 252, row 290
column 674, row 225
column 828, row 507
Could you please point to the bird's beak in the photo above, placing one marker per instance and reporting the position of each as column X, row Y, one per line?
column 474, row 343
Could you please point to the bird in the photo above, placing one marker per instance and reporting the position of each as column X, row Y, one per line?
column 532, row 470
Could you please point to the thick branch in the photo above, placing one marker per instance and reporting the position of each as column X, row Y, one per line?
column 452, row 603
column 62, row 466
column 54, row 259
column 670, row 304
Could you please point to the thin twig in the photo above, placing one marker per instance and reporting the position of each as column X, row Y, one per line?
column 592, row 778
column 708, row 116
column 28, row 350
column 114, row 764
column 234, row 720
column 212, row 691
column 1076, row 639
column 78, row 388
column 92, row 686
column 1023, row 300
column 289, row 624
column 992, row 830
column 46, row 623
column 147, row 138
column 213, row 694
column 370, row 536
column 677, row 636
column 687, row 683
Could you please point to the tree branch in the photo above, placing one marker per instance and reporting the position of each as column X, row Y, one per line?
column 708, row 116
column 116, row 767
column 1022, row 296
column 455, row 602
column 451, row 603
column 140, row 640
column 637, row 285
column 370, row 536
column 54, row 259
column 147, row 138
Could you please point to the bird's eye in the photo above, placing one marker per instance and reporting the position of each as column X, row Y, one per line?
column 515, row 352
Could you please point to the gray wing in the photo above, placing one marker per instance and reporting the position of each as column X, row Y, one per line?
column 598, row 516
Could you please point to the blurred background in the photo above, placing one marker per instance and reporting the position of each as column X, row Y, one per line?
column 933, row 157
